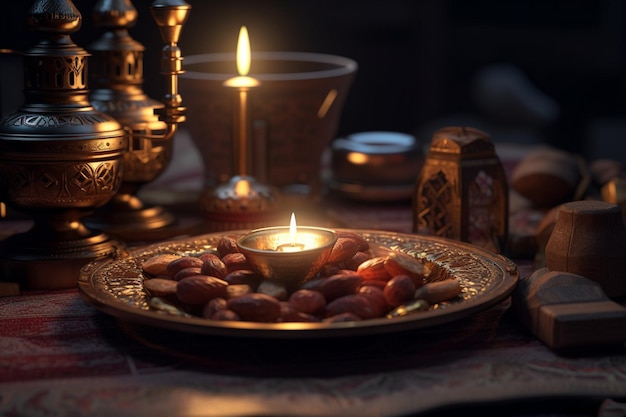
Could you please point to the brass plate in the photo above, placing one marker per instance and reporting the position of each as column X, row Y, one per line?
column 115, row 287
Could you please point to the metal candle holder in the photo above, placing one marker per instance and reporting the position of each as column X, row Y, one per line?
column 262, row 248
column 60, row 158
column 118, row 80
column 242, row 202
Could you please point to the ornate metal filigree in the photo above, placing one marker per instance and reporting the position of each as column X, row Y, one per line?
column 55, row 120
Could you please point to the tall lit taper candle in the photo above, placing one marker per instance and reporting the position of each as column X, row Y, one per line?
column 243, row 82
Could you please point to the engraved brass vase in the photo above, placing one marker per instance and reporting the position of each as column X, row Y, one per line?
column 60, row 159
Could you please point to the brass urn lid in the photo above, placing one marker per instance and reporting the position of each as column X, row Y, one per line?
column 56, row 105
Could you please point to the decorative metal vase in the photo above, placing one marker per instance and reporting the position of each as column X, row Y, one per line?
column 60, row 158
column 462, row 192
column 117, row 80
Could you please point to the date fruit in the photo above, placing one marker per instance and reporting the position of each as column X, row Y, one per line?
column 160, row 287
column 213, row 266
column 187, row 272
column 255, row 307
column 235, row 290
column 356, row 304
column 374, row 269
column 213, row 306
column 438, row 291
column 200, row 289
column 399, row 290
column 288, row 313
column 339, row 285
column 235, row 261
column 157, row 265
column 343, row 249
column 354, row 262
column 376, row 296
column 307, row 301
column 244, row 276
column 226, row 245
column 182, row 263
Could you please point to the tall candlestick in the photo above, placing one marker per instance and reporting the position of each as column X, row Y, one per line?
column 242, row 201
column 243, row 82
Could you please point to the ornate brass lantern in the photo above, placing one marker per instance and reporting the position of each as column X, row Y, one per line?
column 59, row 158
column 462, row 190
column 117, row 80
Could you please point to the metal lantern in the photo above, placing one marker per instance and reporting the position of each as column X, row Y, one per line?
column 60, row 158
column 461, row 192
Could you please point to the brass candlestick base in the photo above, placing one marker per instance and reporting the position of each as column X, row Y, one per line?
column 241, row 203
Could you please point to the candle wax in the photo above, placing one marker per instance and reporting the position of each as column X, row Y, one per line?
column 290, row 247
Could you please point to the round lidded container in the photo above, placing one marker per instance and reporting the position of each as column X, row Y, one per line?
column 376, row 165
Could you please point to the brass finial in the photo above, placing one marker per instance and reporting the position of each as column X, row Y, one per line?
column 54, row 16
column 114, row 13
column 170, row 16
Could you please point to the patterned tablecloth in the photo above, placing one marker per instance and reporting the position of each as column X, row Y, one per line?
column 59, row 356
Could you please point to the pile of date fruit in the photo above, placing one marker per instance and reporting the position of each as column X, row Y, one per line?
column 355, row 283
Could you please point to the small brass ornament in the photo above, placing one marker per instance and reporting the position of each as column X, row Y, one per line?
column 462, row 192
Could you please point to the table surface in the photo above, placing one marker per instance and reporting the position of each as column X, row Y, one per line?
column 60, row 356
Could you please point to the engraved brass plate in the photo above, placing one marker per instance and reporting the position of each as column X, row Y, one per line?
column 115, row 287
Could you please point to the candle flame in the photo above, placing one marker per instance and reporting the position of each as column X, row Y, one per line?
column 243, row 52
column 293, row 229
column 244, row 58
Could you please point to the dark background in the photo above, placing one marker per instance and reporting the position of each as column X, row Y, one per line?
column 417, row 59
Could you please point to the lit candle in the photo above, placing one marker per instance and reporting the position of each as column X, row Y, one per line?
column 293, row 245
column 243, row 83
column 288, row 254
